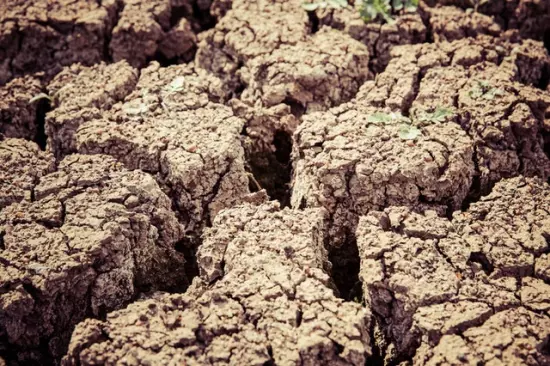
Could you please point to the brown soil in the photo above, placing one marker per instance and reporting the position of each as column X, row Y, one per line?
column 442, row 289
column 242, row 182
column 261, row 303
column 93, row 235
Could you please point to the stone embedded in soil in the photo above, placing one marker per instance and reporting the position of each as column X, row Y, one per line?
column 81, row 94
column 449, row 23
column 439, row 288
column 269, row 303
column 322, row 71
column 46, row 35
column 95, row 235
column 17, row 114
column 350, row 164
column 172, row 127
column 23, row 164
column 379, row 37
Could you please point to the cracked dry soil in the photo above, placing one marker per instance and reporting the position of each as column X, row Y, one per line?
column 242, row 182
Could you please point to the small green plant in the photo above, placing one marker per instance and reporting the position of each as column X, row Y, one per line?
column 406, row 130
column 372, row 9
column 484, row 90
column 439, row 115
column 137, row 109
column 334, row 4
column 38, row 97
column 380, row 117
column 175, row 85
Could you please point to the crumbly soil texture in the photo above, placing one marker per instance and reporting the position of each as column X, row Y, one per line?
column 259, row 182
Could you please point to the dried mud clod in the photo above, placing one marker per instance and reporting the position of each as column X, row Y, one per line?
column 94, row 236
column 23, row 164
column 268, row 302
column 172, row 127
column 17, row 114
column 156, row 29
column 449, row 23
column 166, row 120
column 318, row 73
column 81, row 94
column 249, row 31
column 530, row 18
column 481, row 87
column 350, row 164
column 379, row 38
column 44, row 35
column 440, row 288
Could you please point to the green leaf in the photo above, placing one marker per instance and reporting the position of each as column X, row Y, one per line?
column 338, row 4
column 397, row 5
column 40, row 96
column 484, row 90
column 408, row 132
column 379, row 118
column 310, row 6
column 439, row 115
column 176, row 85
column 491, row 94
column 411, row 6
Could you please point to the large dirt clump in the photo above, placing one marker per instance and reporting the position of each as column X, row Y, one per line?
column 169, row 122
column 379, row 37
column 94, row 235
column 23, row 166
column 487, row 86
column 44, row 36
column 351, row 162
column 268, row 301
column 18, row 116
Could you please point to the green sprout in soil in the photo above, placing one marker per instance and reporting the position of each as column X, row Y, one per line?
column 373, row 9
column 334, row 4
column 380, row 117
column 406, row 130
column 484, row 90
column 40, row 96
column 439, row 115
column 137, row 109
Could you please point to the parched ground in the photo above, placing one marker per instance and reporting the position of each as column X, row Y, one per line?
column 263, row 298
column 90, row 237
column 466, row 291
column 244, row 182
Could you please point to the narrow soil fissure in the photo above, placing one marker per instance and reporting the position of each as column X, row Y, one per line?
column 42, row 107
column 314, row 21
column 546, row 40
column 273, row 171
column 188, row 247
column 345, row 269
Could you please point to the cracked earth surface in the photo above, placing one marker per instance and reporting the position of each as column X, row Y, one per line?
column 237, row 182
